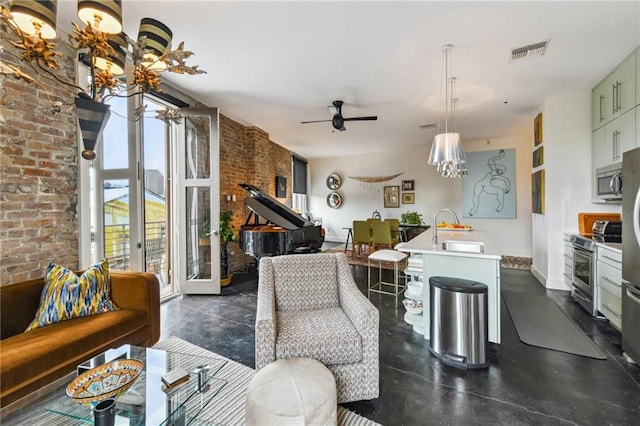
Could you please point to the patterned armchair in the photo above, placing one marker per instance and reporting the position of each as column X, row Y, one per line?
column 309, row 306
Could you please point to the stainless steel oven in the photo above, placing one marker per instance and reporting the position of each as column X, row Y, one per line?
column 583, row 280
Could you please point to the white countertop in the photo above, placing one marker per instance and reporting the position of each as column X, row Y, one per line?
column 423, row 243
column 611, row 246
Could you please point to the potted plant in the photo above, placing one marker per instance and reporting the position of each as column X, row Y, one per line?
column 227, row 235
column 414, row 219
column 205, row 234
column 411, row 218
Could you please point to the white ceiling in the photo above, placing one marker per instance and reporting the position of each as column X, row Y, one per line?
column 274, row 64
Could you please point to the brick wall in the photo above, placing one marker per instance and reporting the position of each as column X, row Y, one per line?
column 247, row 155
column 38, row 177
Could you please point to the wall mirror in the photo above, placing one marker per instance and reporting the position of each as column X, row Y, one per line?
column 334, row 181
column 334, row 200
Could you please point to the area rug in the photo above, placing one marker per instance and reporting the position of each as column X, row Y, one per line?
column 227, row 408
column 540, row 322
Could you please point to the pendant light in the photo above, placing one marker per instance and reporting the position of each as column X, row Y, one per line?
column 447, row 153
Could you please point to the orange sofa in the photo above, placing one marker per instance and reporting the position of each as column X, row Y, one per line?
column 30, row 360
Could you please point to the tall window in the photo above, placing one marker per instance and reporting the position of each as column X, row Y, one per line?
column 130, row 193
column 299, row 202
column 113, row 178
column 156, row 195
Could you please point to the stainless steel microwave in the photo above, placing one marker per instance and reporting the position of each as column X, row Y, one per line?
column 609, row 182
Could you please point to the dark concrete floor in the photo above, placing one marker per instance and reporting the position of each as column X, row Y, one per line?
column 524, row 385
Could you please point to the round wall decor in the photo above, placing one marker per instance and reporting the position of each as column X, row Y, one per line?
column 334, row 200
column 334, row 181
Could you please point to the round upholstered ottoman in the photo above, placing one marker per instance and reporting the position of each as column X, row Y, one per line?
column 292, row 391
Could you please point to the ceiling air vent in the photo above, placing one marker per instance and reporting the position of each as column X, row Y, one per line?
column 536, row 49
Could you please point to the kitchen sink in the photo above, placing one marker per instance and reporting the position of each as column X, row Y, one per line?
column 465, row 246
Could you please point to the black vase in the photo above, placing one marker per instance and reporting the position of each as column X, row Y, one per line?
column 104, row 413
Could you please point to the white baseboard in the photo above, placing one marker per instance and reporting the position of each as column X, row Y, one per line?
column 549, row 284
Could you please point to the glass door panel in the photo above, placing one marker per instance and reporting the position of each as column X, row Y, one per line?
column 116, row 232
column 156, row 198
column 199, row 209
column 198, row 235
column 115, row 141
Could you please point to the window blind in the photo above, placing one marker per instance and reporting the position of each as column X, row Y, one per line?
column 299, row 175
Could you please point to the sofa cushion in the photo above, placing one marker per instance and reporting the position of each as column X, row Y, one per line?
column 31, row 356
column 326, row 335
column 305, row 282
column 66, row 296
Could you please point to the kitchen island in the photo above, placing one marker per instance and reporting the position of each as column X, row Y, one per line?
column 479, row 261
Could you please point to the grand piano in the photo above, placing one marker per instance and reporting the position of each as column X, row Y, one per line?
column 281, row 231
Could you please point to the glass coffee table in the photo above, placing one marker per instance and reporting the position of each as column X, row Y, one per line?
column 148, row 401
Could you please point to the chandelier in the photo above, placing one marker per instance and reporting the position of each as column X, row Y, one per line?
column 447, row 152
column 102, row 46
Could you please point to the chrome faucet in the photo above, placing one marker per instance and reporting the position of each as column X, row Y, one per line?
column 435, row 222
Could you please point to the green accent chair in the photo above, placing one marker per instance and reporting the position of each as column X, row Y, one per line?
column 361, row 238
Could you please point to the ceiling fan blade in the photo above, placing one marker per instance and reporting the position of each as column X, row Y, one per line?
column 315, row 121
column 370, row 118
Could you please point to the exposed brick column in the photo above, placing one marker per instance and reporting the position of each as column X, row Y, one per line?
column 38, row 175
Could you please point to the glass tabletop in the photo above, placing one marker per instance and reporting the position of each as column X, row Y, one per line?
column 149, row 401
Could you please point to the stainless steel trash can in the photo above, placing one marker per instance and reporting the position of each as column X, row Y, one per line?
column 459, row 322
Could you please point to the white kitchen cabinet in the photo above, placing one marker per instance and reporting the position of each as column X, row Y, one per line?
column 609, row 284
column 624, row 86
column 601, row 105
column 568, row 261
column 616, row 94
column 599, row 158
column 609, row 142
column 638, row 124
column 637, row 77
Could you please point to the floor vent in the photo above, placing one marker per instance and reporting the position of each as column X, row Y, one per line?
column 536, row 49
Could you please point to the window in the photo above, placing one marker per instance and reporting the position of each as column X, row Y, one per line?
column 299, row 202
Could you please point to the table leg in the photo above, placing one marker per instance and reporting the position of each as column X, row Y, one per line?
column 349, row 236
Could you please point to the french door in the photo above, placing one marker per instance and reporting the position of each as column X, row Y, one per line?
column 198, row 188
column 150, row 195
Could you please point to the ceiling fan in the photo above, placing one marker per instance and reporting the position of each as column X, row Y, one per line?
column 338, row 120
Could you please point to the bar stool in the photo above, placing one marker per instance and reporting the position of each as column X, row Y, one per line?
column 396, row 258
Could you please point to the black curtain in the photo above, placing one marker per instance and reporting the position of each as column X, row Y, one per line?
column 299, row 175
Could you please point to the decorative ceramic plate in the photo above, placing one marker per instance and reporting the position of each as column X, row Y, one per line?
column 105, row 381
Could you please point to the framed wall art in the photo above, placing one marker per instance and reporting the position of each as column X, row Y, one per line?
column 537, row 192
column 407, row 185
column 391, row 196
column 537, row 130
column 408, row 198
column 489, row 191
column 281, row 187
column 538, row 157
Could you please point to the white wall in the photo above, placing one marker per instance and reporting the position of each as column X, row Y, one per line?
column 432, row 191
column 566, row 138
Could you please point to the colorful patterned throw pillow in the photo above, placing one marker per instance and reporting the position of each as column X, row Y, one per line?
column 66, row 296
